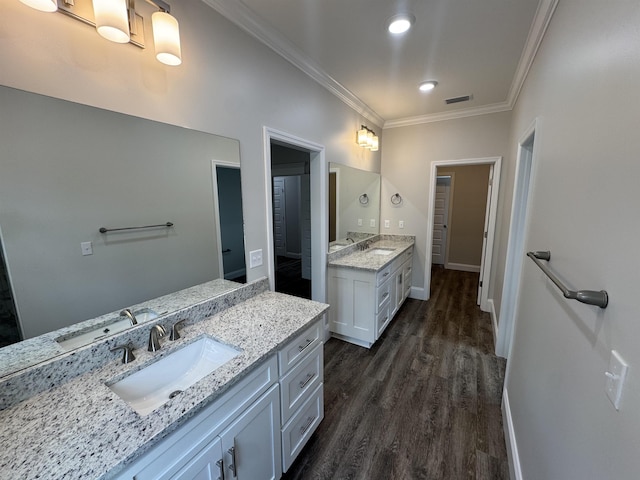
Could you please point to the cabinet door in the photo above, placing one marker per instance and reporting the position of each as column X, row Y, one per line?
column 251, row 444
column 206, row 465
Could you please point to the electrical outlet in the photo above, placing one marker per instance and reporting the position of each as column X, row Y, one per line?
column 255, row 258
column 401, row 224
column 86, row 248
column 372, row 222
column 359, row 222
column 386, row 224
column 615, row 378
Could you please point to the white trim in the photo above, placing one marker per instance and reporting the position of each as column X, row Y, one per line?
column 493, row 209
column 319, row 208
column 515, row 470
column 246, row 19
column 494, row 318
column 463, row 267
column 418, row 293
column 216, row 212
column 516, row 240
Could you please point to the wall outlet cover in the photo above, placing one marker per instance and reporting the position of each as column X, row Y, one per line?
column 86, row 248
column 401, row 224
column 386, row 224
column 359, row 222
column 372, row 222
column 615, row 378
column 255, row 258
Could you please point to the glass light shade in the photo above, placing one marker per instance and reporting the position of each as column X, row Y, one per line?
column 361, row 137
column 426, row 86
column 112, row 21
column 375, row 144
column 42, row 5
column 370, row 136
column 166, row 37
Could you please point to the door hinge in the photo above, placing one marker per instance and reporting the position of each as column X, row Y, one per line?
column 480, row 283
column 485, row 234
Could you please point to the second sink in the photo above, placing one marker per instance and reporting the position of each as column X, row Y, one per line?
column 151, row 387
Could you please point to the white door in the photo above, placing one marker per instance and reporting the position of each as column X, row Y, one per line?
column 440, row 219
column 305, row 221
column 251, row 445
column 484, row 236
column 279, row 221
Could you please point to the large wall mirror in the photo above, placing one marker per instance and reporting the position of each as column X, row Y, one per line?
column 67, row 170
column 354, row 204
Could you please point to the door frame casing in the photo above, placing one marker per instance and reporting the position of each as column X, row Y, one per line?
column 319, row 207
column 518, row 227
column 497, row 164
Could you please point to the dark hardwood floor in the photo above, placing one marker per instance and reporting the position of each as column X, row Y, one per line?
column 422, row 403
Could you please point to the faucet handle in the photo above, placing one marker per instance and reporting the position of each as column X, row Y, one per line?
column 156, row 333
column 175, row 334
column 127, row 353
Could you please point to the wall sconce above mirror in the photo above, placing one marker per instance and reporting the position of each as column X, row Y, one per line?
column 366, row 138
column 118, row 21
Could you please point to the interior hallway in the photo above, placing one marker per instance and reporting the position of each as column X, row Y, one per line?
column 423, row 403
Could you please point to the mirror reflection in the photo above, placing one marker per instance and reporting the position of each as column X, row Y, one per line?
column 354, row 205
column 69, row 169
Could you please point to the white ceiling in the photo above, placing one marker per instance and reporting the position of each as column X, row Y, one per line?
column 470, row 47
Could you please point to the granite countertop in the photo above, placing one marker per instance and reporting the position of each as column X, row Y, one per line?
column 367, row 260
column 82, row 429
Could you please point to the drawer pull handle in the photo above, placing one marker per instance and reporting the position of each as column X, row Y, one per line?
column 386, row 294
column 232, row 467
column 306, row 426
column 302, row 347
column 310, row 376
column 220, row 465
column 385, row 274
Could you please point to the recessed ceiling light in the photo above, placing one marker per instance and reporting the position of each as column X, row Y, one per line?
column 426, row 86
column 400, row 23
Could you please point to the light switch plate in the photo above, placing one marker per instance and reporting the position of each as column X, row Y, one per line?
column 359, row 222
column 255, row 258
column 615, row 378
column 386, row 224
column 401, row 224
column 87, row 248
column 372, row 222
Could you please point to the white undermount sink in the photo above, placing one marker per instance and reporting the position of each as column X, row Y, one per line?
column 151, row 387
column 382, row 251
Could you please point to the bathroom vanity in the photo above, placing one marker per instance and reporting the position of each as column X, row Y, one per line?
column 367, row 287
column 249, row 418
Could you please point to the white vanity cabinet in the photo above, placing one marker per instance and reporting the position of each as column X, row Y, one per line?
column 363, row 302
column 301, row 364
column 238, row 434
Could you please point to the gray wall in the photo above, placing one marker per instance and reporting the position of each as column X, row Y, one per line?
column 583, row 89
column 68, row 169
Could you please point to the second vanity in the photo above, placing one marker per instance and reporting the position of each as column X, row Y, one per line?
column 367, row 287
column 248, row 419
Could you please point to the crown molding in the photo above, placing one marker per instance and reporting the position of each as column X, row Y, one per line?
column 238, row 13
column 246, row 19
column 443, row 116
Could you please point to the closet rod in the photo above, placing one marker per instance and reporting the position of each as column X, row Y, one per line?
column 105, row 230
column 590, row 297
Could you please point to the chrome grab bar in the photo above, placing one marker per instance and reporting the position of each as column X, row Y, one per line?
column 590, row 297
column 105, row 230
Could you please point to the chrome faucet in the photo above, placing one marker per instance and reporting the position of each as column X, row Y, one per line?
column 156, row 333
column 349, row 239
column 128, row 313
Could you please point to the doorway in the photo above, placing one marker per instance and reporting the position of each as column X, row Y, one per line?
column 227, row 198
column 518, row 224
column 318, row 211
column 494, row 164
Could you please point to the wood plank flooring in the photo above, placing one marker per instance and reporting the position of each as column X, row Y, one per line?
column 423, row 403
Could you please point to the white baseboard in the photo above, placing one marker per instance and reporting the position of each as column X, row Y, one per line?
column 494, row 319
column 515, row 471
column 463, row 267
column 417, row 293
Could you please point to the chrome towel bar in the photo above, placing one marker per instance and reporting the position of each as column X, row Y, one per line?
column 105, row 230
column 590, row 297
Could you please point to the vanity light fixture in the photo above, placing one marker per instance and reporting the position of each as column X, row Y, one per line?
column 400, row 23
column 365, row 137
column 118, row 21
column 427, row 86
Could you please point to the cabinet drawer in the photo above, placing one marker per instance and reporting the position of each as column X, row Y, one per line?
column 300, row 382
column 297, row 432
column 383, row 275
column 297, row 348
column 382, row 320
column 383, row 293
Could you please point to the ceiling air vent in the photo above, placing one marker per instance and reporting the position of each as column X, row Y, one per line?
column 464, row 98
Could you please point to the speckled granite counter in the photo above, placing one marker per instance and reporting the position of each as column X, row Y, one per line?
column 82, row 430
column 367, row 260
